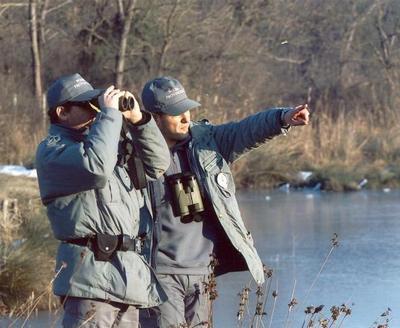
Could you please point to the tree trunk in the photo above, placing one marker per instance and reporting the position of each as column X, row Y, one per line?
column 126, row 18
column 35, row 49
column 167, row 39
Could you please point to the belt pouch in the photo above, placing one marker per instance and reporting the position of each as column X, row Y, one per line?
column 105, row 246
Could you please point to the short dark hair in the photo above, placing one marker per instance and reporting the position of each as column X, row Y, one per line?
column 53, row 116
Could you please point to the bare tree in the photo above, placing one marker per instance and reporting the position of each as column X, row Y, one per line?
column 125, row 13
column 233, row 56
column 36, row 65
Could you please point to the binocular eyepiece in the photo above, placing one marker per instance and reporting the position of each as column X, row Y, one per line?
column 186, row 195
column 124, row 103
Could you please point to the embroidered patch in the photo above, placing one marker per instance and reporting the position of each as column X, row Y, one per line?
column 52, row 141
column 222, row 180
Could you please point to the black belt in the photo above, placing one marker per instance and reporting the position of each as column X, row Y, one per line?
column 125, row 243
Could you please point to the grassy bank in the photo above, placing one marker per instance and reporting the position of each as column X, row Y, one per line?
column 27, row 249
column 340, row 153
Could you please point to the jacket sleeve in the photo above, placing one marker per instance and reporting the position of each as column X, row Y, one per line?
column 236, row 138
column 151, row 147
column 66, row 167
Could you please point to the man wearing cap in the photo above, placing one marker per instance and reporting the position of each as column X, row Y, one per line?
column 103, row 222
column 203, row 151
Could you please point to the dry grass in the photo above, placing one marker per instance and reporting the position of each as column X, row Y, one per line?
column 23, row 188
column 21, row 135
column 27, row 267
column 340, row 152
column 27, row 249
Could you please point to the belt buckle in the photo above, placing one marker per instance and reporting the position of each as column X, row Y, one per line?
column 138, row 244
column 132, row 244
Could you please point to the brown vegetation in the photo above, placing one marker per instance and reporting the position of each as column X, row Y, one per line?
column 27, row 248
column 235, row 57
column 341, row 152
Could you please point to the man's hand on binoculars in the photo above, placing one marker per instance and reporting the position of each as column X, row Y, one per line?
column 134, row 115
column 110, row 97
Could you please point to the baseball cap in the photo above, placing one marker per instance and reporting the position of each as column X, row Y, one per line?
column 167, row 96
column 70, row 88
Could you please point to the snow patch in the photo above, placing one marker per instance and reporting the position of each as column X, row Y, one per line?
column 17, row 170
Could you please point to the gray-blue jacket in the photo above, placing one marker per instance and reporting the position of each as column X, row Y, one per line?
column 86, row 191
column 211, row 150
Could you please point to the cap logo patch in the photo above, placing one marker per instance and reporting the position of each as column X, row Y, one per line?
column 175, row 92
column 78, row 83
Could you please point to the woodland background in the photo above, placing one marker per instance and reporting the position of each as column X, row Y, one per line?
column 235, row 57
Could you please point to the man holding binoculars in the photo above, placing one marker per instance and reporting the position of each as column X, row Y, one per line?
column 194, row 201
column 103, row 222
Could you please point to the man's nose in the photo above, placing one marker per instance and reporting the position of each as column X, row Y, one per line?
column 185, row 117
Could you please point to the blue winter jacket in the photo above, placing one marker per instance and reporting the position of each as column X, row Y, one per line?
column 87, row 191
column 211, row 150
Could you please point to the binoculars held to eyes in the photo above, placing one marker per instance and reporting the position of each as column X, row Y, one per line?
column 186, row 195
column 124, row 103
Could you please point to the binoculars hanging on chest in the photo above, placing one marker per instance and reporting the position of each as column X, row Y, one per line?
column 186, row 195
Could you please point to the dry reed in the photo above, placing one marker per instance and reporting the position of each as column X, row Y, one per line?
column 340, row 152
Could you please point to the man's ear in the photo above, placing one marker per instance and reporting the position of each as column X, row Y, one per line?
column 62, row 113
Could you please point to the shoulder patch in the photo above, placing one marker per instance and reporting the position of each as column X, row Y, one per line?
column 54, row 141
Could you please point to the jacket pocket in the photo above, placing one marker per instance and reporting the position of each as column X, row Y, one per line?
column 111, row 192
column 68, row 215
column 82, row 275
column 141, row 285
column 212, row 162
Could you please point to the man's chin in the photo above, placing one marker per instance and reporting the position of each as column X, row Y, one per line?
column 181, row 136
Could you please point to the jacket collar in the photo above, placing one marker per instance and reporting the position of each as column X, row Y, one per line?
column 200, row 132
column 181, row 144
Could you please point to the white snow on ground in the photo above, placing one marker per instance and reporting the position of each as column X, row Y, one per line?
column 17, row 170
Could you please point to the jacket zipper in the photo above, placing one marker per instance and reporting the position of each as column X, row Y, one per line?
column 154, row 223
column 195, row 168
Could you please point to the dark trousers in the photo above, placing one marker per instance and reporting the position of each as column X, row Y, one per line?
column 88, row 313
column 187, row 305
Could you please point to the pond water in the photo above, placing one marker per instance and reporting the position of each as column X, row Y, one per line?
column 293, row 233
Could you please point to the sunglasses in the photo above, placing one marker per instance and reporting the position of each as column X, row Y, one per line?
column 86, row 105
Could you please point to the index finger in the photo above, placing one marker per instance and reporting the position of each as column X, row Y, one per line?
column 129, row 94
column 300, row 107
column 109, row 89
column 304, row 108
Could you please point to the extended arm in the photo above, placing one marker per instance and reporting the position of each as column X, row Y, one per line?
column 236, row 138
